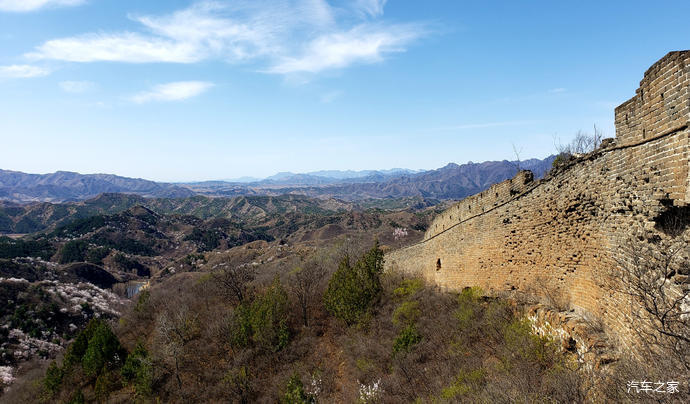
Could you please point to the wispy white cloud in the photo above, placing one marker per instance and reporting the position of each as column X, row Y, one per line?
column 176, row 91
column 362, row 44
column 22, row 71
column 284, row 36
column 126, row 47
column 372, row 7
column 32, row 5
column 557, row 90
column 77, row 87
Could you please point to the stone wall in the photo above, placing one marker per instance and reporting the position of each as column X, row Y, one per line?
column 497, row 195
column 660, row 105
column 566, row 231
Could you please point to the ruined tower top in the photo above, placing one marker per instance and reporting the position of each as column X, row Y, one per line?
column 662, row 103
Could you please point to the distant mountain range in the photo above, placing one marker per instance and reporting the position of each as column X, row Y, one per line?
column 336, row 176
column 450, row 182
column 323, row 176
column 68, row 186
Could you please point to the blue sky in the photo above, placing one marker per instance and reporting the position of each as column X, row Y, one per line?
column 190, row 90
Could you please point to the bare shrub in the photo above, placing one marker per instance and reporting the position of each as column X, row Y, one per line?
column 553, row 296
column 350, row 247
column 175, row 331
column 594, row 323
column 28, row 387
column 582, row 143
column 306, row 283
column 517, row 158
column 234, row 280
column 449, row 348
column 613, row 385
column 653, row 275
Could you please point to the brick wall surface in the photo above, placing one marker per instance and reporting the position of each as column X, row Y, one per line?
column 660, row 105
column 567, row 230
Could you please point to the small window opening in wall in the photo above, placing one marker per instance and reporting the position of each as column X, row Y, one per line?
column 662, row 96
column 642, row 95
column 626, row 118
column 644, row 133
column 438, row 264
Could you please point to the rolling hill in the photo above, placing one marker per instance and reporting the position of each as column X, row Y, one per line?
column 64, row 186
column 450, row 182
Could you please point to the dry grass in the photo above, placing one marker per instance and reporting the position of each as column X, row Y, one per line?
column 462, row 348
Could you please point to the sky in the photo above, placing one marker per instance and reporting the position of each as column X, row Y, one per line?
column 181, row 90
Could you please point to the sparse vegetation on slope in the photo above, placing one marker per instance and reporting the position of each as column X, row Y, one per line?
column 188, row 343
column 129, row 251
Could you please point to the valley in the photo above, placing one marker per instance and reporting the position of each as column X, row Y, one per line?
column 90, row 261
column 366, row 201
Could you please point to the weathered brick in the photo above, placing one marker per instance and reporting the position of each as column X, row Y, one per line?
column 570, row 227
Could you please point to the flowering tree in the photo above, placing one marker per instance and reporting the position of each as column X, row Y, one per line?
column 399, row 233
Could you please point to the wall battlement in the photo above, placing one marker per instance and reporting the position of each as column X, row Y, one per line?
column 496, row 195
column 568, row 229
column 660, row 105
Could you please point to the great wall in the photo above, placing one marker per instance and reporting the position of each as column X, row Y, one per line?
column 566, row 232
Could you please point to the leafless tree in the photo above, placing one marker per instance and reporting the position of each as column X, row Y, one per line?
column 305, row 282
column 582, row 143
column 654, row 275
column 234, row 281
column 517, row 157
column 350, row 247
column 553, row 296
column 175, row 331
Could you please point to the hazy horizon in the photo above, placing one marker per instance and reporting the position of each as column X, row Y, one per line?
column 205, row 90
column 249, row 178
